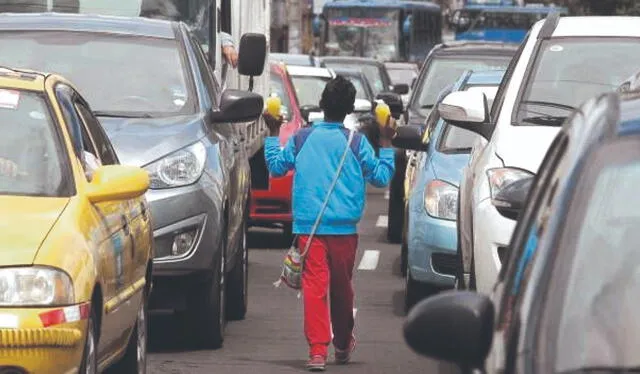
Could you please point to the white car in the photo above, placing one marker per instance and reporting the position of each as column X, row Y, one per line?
column 309, row 83
column 563, row 62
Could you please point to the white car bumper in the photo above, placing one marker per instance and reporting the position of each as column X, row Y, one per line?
column 491, row 237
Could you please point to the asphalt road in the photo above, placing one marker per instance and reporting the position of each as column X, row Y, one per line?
column 271, row 340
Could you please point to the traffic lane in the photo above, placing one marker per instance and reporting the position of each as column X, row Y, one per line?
column 271, row 340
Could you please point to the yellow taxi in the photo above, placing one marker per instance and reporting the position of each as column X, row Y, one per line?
column 75, row 236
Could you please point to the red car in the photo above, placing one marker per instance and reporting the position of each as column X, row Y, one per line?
column 271, row 203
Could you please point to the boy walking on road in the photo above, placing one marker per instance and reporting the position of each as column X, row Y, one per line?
column 315, row 153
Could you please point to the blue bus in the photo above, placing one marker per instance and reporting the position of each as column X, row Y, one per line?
column 502, row 23
column 387, row 30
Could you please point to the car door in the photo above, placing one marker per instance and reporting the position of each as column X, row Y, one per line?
column 136, row 210
column 234, row 157
column 512, row 279
column 114, row 255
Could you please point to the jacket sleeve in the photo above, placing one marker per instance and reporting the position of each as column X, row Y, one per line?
column 279, row 161
column 377, row 171
column 226, row 40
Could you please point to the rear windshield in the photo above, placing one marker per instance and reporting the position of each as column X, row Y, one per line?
column 442, row 71
column 30, row 156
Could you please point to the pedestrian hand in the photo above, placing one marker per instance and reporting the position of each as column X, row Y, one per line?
column 332, row 166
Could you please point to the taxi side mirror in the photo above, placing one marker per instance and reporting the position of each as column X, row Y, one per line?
column 117, row 182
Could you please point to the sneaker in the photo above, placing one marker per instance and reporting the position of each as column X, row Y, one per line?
column 344, row 356
column 317, row 363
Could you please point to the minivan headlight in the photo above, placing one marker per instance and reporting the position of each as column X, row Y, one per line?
column 35, row 286
column 441, row 200
column 179, row 168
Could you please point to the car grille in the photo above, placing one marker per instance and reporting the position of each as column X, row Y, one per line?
column 267, row 206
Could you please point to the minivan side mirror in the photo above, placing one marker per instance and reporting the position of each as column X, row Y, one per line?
column 453, row 326
column 511, row 199
column 252, row 54
column 401, row 88
column 468, row 110
column 409, row 137
column 238, row 106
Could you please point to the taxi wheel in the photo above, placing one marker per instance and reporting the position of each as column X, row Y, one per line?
column 206, row 309
column 135, row 357
column 90, row 356
column 238, row 284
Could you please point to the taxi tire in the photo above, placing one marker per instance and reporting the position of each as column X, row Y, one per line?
column 90, row 364
column 205, row 316
column 129, row 362
column 238, row 281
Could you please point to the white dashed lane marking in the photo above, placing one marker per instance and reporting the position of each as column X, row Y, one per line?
column 369, row 260
column 386, row 195
column 383, row 221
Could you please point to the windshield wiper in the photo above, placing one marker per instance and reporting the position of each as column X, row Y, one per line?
column 549, row 104
column 545, row 120
column 121, row 114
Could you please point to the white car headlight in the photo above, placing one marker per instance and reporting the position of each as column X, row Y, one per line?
column 500, row 178
column 441, row 200
column 35, row 286
column 180, row 168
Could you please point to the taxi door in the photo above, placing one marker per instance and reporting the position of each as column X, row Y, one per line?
column 120, row 308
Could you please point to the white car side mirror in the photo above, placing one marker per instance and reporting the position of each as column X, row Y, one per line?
column 464, row 107
column 361, row 105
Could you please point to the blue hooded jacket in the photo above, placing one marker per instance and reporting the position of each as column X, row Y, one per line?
column 315, row 153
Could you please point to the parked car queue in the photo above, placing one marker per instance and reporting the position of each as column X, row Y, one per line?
column 109, row 242
column 546, row 214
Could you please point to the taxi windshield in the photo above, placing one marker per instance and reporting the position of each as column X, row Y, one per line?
column 146, row 76
column 30, row 162
column 309, row 89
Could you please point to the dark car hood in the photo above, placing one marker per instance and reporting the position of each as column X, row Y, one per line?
column 139, row 141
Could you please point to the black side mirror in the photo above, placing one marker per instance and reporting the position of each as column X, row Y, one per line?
column 238, row 106
column 401, row 89
column 409, row 137
column 306, row 109
column 511, row 199
column 252, row 54
column 394, row 101
column 453, row 326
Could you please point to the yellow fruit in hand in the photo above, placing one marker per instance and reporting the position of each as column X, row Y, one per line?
column 382, row 114
column 273, row 106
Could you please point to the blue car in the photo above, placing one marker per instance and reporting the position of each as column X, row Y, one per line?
column 431, row 239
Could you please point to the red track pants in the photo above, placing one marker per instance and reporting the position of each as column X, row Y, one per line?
column 328, row 265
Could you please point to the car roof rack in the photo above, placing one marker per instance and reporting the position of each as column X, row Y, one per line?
column 549, row 26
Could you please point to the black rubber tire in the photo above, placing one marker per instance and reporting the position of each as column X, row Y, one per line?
column 287, row 233
column 129, row 364
column 89, row 365
column 404, row 258
column 413, row 292
column 205, row 315
column 395, row 210
column 238, row 282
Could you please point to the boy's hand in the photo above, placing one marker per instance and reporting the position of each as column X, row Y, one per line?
column 387, row 132
column 272, row 123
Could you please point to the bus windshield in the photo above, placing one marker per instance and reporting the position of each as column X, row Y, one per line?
column 361, row 32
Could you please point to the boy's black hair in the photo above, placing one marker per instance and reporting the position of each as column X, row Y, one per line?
column 338, row 99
